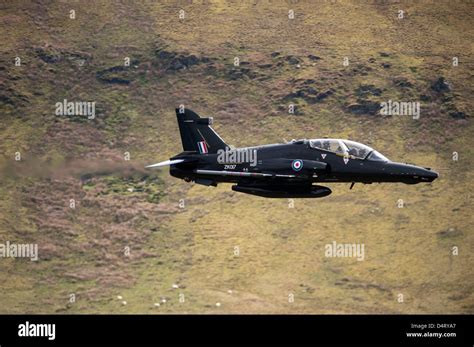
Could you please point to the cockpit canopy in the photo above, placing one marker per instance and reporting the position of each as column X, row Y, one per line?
column 347, row 148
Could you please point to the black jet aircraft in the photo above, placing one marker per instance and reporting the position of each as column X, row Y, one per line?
column 287, row 170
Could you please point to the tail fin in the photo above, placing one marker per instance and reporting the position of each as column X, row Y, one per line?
column 196, row 133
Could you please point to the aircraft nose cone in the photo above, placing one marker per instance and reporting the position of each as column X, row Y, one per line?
column 429, row 175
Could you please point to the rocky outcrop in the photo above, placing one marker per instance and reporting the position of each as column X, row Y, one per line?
column 172, row 61
column 440, row 86
column 114, row 75
column 364, row 107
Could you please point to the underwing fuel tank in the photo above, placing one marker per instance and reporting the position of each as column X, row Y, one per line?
column 284, row 191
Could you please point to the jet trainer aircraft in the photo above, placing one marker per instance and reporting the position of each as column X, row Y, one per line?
column 285, row 170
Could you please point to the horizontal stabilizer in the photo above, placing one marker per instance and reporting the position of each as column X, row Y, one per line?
column 165, row 163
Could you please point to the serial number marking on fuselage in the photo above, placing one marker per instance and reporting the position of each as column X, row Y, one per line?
column 229, row 167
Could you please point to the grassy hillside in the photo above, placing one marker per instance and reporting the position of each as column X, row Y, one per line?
column 129, row 234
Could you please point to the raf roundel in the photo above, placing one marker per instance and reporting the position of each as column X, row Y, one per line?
column 297, row 164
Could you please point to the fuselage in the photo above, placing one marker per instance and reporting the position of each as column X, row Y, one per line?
column 300, row 162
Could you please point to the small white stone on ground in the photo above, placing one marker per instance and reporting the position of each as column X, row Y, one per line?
column 124, row 302
column 175, row 286
column 218, row 304
column 157, row 304
column 119, row 297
